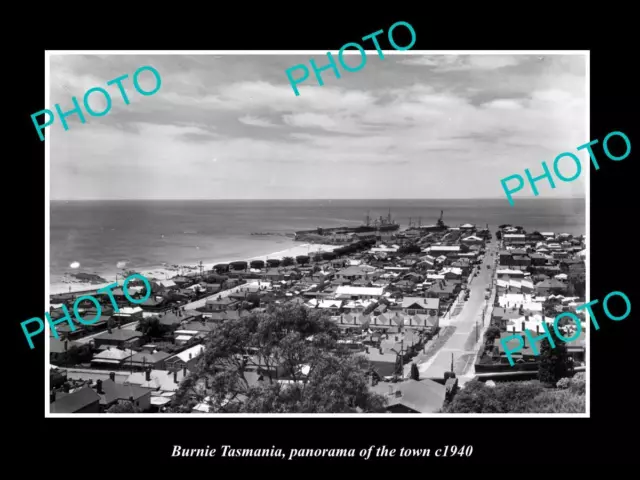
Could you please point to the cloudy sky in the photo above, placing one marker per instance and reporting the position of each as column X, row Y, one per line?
column 230, row 126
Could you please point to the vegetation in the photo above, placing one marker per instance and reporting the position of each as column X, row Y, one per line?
column 520, row 397
column 279, row 344
column 152, row 328
column 287, row 261
column 409, row 249
column 415, row 373
column 302, row 259
column 123, row 407
column 75, row 355
column 256, row 264
column 554, row 362
column 490, row 336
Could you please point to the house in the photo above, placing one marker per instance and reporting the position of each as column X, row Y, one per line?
column 111, row 393
column 421, row 305
column 84, row 400
column 219, row 304
column 438, row 250
column 127, row 315
column 443, row 290
column 513, row 239
column 472, row 240
column 159, row 380
column 356, row 293
column 551, row 286
column 93, row 375
column 58, row 348
column 187, row 358
column 111, row 357
column 507, row 274
column 142, row 360
column 352, row 273
column 120, row 337
column 412, row 396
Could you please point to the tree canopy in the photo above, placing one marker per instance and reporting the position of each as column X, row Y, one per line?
column 287, row 261
column 123, row 407
column 554, row 362
column 245, row 359
column 409, row 248
column 152, row 328
column 519, row 397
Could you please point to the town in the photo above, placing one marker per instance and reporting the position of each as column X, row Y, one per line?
column 421, row 311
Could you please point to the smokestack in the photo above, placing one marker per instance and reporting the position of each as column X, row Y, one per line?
column 99, row 387
column 66, row 387
column 148, row 374
column 112, row 376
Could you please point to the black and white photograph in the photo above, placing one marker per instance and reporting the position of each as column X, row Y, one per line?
column 218, row 245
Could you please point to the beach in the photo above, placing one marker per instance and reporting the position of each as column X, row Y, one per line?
column 168, row 272
column 160, row 238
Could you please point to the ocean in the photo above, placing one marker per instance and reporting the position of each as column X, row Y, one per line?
column 149, row 234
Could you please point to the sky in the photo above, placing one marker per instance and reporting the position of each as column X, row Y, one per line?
column 231, row 127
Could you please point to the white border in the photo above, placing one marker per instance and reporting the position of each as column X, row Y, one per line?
column 47, row 76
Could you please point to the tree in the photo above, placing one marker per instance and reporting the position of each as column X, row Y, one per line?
column 287, row 261
column 302, row 259
column 152, row 328
column 554, row 362
column 415, row 373
column 286, row 342
column 75, row 355
column 491, row 334
column 123, row 407
column 409, row 249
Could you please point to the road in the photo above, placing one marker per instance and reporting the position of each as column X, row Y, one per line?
column 462, row 343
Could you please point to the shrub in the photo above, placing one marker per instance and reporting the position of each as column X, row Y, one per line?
column 578, row 384
column 557, row 401
column 563, row 383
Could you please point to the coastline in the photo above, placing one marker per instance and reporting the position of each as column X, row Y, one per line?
column 168, row 272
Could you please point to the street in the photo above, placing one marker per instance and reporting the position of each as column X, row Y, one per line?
column 462, row 343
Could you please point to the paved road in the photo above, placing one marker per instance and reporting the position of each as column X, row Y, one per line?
column 460, row 343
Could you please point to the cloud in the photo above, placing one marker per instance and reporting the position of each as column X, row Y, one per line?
column 451, row 63
column 451, row 131
column 255, row 121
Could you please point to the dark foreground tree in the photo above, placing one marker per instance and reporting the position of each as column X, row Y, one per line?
column 123, row 407
column 518, row 397
column 554, row 362
column 151, row 327
column 287, row 261
column 415, row 373
column 288, row 343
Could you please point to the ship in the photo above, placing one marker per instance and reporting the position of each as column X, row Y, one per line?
column 382, row 224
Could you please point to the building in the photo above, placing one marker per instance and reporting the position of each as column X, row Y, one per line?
column 120, row 338
column 84, row 400
column 185, row 359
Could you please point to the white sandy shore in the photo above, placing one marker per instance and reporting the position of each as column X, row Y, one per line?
column 165, row 273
